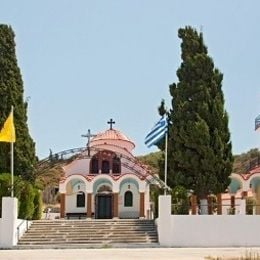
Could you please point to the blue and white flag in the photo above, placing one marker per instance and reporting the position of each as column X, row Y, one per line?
column 257, row 122
column 157, row 132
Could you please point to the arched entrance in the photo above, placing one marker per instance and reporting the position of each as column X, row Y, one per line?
column 103, row 202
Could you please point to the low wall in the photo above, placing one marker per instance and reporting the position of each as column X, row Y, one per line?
column 214, row 231
column 206, row 230
column 11, row 228
column 23, row 226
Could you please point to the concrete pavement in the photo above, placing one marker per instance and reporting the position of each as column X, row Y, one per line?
column 126, row 253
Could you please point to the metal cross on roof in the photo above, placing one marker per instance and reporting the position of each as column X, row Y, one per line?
column 111, row 122
column 88, row 135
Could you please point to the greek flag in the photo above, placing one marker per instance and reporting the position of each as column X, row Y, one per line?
column 257, row 122
column 157, row 132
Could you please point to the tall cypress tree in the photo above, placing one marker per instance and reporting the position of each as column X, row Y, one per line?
column 11, row 93
column 200, row 151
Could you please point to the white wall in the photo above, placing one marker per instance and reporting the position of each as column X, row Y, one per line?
column 8, row 225
column 206, row 230
column 214, row 230
column 71, row 204
column 77, row 167
column 164, row 221
column 22, row 228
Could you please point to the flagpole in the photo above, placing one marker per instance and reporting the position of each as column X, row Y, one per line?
column 165, row 161
column 12, row 161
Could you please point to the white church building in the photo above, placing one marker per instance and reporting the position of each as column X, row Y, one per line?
column 105, row 180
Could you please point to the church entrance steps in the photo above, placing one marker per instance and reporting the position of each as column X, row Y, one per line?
column 87, row 246
column 96, row 233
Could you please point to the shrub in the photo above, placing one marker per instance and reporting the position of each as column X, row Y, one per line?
column 5, row 185
column 26, row 208
column 180, row 201
column 250, row 203
column 29, row 198
column 37, row 213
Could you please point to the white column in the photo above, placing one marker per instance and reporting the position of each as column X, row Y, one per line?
column 8, row 226
column 164, row 220
column 242, row 207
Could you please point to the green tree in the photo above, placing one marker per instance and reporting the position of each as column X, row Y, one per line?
column 11, row 93
column 246, row 161
column 152, row 159
column 200, row 151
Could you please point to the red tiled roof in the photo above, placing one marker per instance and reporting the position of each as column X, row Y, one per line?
column 111, row 134
column 247, row 175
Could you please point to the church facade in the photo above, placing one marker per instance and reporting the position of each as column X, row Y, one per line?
column 105, row 180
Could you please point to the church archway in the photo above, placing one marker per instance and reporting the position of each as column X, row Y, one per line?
column 76, row 196
column 234, row 185
column 255, row 186
column 130, row 198
column 255, row 183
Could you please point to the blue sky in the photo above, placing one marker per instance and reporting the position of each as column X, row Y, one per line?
column 84, row 62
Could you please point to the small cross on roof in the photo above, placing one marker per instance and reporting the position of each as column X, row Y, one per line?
column 111, row 122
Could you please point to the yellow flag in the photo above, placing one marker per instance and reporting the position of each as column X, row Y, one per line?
column 7, row 133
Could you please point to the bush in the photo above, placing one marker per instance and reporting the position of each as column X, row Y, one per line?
column 250, row 203
column 26, row 208
column 29, row 198
column 180, row 201
column 5, row 185
column 37, row 213
column 154, row 193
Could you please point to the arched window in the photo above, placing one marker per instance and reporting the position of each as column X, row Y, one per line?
column 94, row 165
column 116, row 165
column 128, row 199
column 105, row 166
column 80, row 200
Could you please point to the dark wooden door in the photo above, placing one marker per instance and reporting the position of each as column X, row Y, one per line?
column 104, row 206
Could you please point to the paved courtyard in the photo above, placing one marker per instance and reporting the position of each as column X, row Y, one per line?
column 129, row 253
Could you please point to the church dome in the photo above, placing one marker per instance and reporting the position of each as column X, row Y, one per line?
column 112, row 137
